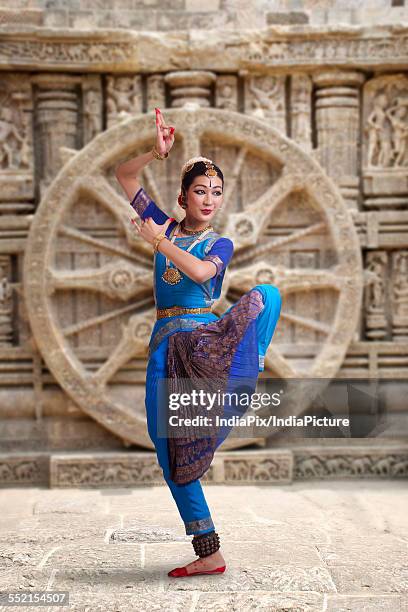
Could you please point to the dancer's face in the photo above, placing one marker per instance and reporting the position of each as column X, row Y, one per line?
column 205, row 192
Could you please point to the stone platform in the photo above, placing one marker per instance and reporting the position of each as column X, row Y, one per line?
column 306, row 546
column 331, row 459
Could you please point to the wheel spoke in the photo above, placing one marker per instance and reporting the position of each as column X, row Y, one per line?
column 117, row 280
column 101, row 190
column 274, row 245
column 152, row 189
column 232, row 186
column 134, row 343
column 288, row 280
column 276, row 362
column 102, row 245
column 76, row 328
column 307, row 323
column 243, row 224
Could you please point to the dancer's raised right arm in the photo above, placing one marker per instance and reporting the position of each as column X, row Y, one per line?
column 128, row 173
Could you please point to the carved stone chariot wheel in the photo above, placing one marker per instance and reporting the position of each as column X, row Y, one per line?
column 88, row 275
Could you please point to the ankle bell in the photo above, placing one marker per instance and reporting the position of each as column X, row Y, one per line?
column 206, row 544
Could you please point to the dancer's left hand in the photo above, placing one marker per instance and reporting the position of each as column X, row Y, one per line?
column 149, row 229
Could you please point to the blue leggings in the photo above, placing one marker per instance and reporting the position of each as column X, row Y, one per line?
column 189, row 497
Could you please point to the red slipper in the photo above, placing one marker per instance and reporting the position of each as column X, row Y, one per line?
column 179, row 572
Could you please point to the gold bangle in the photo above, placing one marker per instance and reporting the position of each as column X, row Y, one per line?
column 157, row 155
column 157, row 240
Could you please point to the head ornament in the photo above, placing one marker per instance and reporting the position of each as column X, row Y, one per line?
column 210, row 171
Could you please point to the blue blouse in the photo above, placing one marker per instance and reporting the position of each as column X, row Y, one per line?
column 186, row 292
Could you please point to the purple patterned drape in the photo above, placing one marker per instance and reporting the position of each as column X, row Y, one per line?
column 201, row 359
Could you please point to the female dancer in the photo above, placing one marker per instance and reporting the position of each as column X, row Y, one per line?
column 189, row 341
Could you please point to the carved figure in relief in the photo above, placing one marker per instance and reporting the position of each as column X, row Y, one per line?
column 400, row 468
column 237, row 470
column 379, row 139
column 225, row 96
column 5, row 307
column 122, row 97
column 189, row 344
column 310, row 466
column 398, row 116
column 382, row 466
column 400, row 285
column 8, row 131
column 267, row 470
column 266, row 94
column 375, row 294
column 25, row 149
column 360, row 465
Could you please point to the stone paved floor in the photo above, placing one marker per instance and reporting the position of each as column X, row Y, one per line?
column 328, row 546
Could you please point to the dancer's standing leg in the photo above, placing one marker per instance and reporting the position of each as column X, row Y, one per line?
column 189, row 497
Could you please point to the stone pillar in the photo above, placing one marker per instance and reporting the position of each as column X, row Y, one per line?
column 301, row 109
column 92, row 107
column 338, row 128
column 57, row 123
column 190, row 86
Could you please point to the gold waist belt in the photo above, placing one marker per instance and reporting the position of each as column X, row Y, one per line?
column 176, row 310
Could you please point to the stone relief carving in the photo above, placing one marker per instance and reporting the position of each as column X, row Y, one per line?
column 376, row 272
column 323, row 50
column 239, row 467
column 123, row 98
column 385, row 140
column 6, row 304
column 265, row 98
column 400, row 295
column 387, row 123
column 256, row 50
column 226, row 92
column 356, row 464
column 15, row 142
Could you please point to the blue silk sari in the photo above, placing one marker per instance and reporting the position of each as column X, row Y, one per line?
column 222, row 351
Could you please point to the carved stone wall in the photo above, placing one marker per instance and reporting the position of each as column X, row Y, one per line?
column 310, row 127
column 167, row 15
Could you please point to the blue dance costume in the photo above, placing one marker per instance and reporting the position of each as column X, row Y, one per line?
column 231, row 346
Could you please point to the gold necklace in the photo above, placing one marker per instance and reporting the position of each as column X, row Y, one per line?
column 190, row 232
column 172, row 276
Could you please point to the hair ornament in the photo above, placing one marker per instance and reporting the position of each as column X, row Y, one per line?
column 210, row 171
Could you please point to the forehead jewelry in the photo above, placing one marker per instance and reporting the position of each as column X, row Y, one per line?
column 210, row 170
